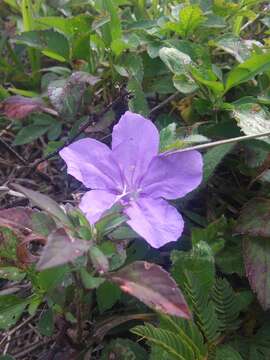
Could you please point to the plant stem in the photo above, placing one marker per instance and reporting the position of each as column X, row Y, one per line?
column 221, row 142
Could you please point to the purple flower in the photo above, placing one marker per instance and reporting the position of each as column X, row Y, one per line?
column 134, row 175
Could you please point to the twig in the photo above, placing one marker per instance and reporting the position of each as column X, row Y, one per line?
column 163, row 103
column 11, row 150
column 83, row 127
column 220, row 142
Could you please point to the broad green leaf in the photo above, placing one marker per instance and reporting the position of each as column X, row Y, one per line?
column 48, row 279
column 70, row 26
column 168, row 138
column 51, row 42
column 212, row 159
column 11, row 273
column 12, row 308
column 30, row 133
column 107, row 295
column 152, row 285
column 89, row 281
column 138, row 102
column 253, row 119
column 176, row 61
column 190, row 18
column 207, row 78
column 257, row 264
column 237, row 47
column 256, row 64
column 46, row 323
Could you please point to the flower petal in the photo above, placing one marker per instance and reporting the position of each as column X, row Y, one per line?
column 173, row 175
column 92, row 163
column 135, row 141
column 155, row 220
column 95, row 202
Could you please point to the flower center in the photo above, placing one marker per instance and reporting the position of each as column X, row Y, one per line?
column 129, row 195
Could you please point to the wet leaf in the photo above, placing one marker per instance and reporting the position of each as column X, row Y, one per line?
column 152, row 285
column 61, row 249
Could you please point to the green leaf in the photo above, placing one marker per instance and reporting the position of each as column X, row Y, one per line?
column 107, row 295
column 89, row 281
column 199, row 263
column 226, row 352
column 50, row 42
column 212, row 159
column 213, row 235
column 123, row 349
column 69, row 26
column 226, row 305
column 208, row 78
column 46, row 323
column 256, row 64
column 48, row 279
column 168, row 139
column 234, row 45
column 30, row 133
column 12, row 308
column 190, row 18
column 11, row 273
column 138, row 102
column 176, row 61
column 252, row 119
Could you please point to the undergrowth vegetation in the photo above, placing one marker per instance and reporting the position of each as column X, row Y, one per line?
column 94, row 283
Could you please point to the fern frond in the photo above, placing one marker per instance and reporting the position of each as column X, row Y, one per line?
column 167, row 340
column 204, row 310
column 226, row 305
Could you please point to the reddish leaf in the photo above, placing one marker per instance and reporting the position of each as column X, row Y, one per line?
column 254, row 218
column 61, row 249
column 18, row 107
column 46, row 203
column 30, row 228
column 152, row 285
column 257, row 263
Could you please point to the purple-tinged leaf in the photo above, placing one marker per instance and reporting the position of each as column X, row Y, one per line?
column 254, row 219
column 18, row 107
column 152, row 285
column 257, row 263
column 61, row 249
column 46, row 203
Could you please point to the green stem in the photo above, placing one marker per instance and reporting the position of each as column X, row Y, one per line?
column 28, row 25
